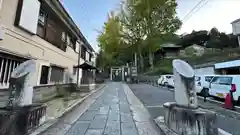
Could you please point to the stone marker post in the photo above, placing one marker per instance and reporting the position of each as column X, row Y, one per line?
column 21, row 84
column 184, row 117
column 184, row 85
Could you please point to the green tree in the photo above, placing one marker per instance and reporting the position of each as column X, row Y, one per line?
column 133, row 34
column 112, row 44
column 149, row 22
column 110, row 41
column 196, row 37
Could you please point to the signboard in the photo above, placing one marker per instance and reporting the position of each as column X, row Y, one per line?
column 134, row 71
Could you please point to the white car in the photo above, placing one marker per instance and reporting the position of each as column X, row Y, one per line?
column 166, row 80
column 202, row 82
column 221, row 85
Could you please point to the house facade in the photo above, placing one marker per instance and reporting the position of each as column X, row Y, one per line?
column 43, row 31
column 168, row 50
column 236, row 29
column 221, row 68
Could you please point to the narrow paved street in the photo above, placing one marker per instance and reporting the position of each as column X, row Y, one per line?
column 110, row 115
column 154, row 97
column 116, row 111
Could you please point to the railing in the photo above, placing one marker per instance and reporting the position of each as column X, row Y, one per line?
column 33, row 117
column 20, row 121
column 7, row 65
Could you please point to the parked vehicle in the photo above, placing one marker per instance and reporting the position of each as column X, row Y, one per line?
column 221, row 85
column 166, row 80
column 202, row 83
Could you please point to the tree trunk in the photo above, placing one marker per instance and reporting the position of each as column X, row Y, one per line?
column 150, row 58
column 141, row 61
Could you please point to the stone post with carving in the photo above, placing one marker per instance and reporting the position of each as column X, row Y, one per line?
column 184, row 117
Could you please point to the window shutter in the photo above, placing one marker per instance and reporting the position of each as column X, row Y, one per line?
column 28, row 15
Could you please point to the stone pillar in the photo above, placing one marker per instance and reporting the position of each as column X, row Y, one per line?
column 184, row 84
column 183, row 117
column 21, row 84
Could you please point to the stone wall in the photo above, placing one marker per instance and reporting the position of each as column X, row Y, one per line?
column 48, row 92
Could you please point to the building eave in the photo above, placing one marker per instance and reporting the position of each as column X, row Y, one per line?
column 237, row 20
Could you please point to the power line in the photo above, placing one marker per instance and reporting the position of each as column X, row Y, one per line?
column 198, row 6
column 197, row 10
column 193, row 9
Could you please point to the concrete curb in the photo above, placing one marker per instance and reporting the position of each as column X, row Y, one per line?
column 142, row 118
column 42, row 128
column 222, row 132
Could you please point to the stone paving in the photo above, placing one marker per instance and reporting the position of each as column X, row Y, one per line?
column 110, row 114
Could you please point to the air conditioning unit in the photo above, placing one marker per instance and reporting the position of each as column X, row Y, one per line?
column 2, row 32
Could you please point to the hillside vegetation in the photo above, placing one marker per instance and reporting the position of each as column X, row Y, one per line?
column 164, row 66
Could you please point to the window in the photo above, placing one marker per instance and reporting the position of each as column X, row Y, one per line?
column 197, row 78
column 44, row 75
column 42, row 18
column 75, row 71
column 71, row 41
column 90, row 57
column 57, row 74
column 41, row 28
column 208, row 78
column 68, row 40
column 225, row 80
column 27, row 15
column 83, row 52
column 64, row 37
column 215, row 80
column 51, row 29
column 54, row 34
column 222, row 80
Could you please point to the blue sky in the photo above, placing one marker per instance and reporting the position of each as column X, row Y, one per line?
column 90, row 15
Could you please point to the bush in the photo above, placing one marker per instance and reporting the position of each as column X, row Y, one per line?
column 164, row 66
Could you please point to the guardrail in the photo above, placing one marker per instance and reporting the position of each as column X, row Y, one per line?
column 19, row 121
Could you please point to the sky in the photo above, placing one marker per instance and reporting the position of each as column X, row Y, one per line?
column 90, row 15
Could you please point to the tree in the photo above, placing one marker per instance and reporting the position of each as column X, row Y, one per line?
column 233, row 43
column 221, row 40
column 196, row 37
column 147, row 23
column 133, row 34
column 110, row 42
column 160, row 20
